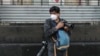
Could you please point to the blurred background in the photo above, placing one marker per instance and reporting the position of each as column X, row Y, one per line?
column 21, row 26
column 51, row 2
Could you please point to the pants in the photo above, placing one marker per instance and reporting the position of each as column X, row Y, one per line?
column 51, row 50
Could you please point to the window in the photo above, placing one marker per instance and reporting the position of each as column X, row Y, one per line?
column 27, row 2
column 93, row 2
column 22, row 2
column 84, row 2
column 0, row 2
column 6, row 1
column 72, row 2
column 98, row 2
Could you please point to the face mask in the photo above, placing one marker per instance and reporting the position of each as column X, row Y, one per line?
column 53, row 17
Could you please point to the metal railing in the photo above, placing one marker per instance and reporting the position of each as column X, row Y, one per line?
column 42, row 2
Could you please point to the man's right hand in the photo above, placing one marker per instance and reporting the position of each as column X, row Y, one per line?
column 60, row 25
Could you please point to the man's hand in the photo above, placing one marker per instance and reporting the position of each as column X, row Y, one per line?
column 60, row 25
column 66, row 28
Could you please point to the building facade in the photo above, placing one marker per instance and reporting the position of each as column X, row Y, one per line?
column 51, row 2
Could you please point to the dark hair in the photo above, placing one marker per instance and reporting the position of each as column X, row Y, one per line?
column 54, row 8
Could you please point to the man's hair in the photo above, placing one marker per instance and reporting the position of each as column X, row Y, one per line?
column 54, row 8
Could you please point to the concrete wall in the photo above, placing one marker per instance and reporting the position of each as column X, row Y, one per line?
column 25, row 40
column 21, row 34
column 74, row 50
column 86, row 33
column 33, row 33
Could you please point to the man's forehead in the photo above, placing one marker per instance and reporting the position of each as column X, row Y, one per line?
column 53, row 12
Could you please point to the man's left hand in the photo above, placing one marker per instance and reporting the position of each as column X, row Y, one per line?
column 65, row 28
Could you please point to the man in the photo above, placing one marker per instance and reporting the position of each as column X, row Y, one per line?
column 50, row 30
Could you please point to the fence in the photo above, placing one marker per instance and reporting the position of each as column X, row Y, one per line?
column 52, row 2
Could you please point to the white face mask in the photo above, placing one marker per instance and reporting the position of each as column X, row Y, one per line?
column 53, row 17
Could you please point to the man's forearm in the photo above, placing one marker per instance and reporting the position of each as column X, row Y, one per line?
column 52, row 31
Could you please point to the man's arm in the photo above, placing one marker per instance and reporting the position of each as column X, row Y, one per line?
column 48, row 31
column 67, row 25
